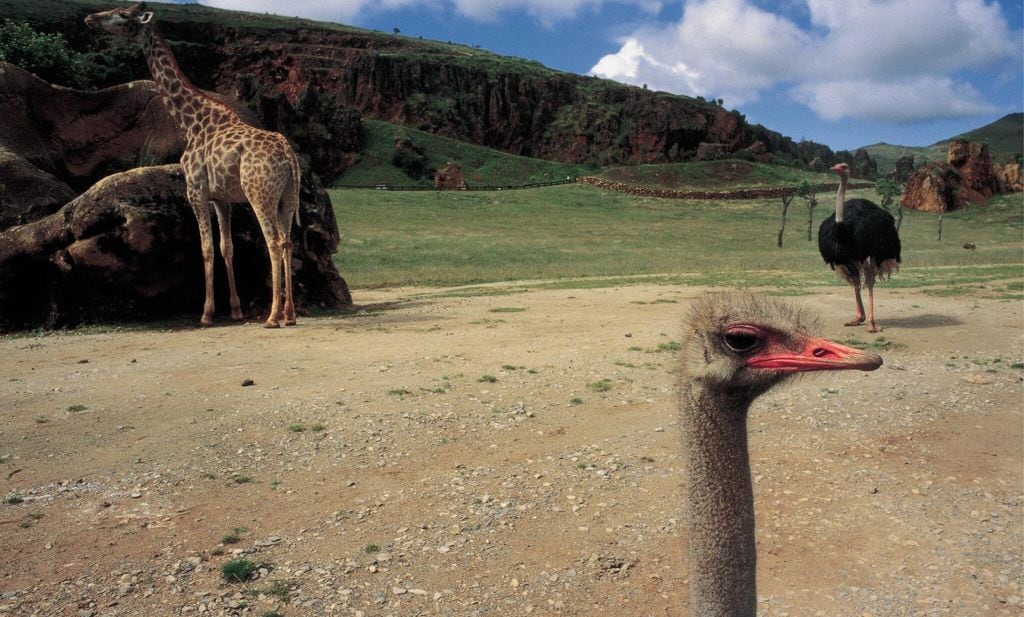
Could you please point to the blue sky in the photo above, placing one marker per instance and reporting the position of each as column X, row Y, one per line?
column 845, row 73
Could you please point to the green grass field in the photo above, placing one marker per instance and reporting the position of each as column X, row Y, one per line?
column 579, row 236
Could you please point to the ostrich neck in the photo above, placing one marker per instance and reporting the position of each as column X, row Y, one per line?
column 721, row 504
column 840, row 199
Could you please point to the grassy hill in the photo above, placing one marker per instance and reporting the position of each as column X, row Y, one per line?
column 481, row 166
column 1005, row 139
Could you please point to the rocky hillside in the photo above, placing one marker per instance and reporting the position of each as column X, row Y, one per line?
column 451, row 90
column 1004, row 138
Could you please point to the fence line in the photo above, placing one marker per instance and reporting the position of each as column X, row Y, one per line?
column 503, row 187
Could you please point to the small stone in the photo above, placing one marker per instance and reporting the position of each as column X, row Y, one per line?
column 248, row 382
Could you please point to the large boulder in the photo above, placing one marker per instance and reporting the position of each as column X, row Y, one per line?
column 862, row 164
column 129, row 246
column 28, row 193
column 974, row 164
column 449, row 178
column 968, row 177
column 902, row 169
column 711, row 151
column 935, row 187
column 1008, row 178
column 80, row 137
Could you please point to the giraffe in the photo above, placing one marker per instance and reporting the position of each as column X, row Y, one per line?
column 225, row 161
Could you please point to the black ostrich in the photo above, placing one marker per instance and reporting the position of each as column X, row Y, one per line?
column 860, row 239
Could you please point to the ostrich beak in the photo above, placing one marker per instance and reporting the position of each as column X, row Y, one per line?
column 818, row 354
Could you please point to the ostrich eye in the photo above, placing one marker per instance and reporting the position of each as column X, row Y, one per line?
column 742, row 341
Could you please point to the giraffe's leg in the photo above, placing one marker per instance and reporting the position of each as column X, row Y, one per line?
column 227, row 251
column 286, row 264
column 201, row 207
column 275, row 249
column 289, row 204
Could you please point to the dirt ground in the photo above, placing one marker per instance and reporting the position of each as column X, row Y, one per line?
column 507, row 454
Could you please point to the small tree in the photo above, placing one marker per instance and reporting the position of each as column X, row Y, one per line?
column 46, row 55
column 786, row 200
column 888, row 191
column 810, row 196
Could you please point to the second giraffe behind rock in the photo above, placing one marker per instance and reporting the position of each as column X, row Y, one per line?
column 225, row 161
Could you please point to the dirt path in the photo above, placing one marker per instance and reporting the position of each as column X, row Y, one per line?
column 500, row 455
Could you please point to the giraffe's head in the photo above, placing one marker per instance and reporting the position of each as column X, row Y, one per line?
column 124, row 21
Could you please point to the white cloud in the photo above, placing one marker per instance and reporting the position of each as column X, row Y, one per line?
column 904, row 53
column 917, row 98
column 544, row 11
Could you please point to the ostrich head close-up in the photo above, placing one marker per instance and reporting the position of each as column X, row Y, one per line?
column 843, row 169
column 744, row 344
column 738, row 346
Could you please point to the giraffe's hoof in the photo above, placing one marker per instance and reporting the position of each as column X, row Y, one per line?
column 271, row 324
column 290, row 322
column 236, row 315
column 205, row 321
column 873, row 328
column 855, row 322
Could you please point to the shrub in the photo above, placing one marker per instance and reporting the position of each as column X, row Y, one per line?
column 46, row 55
column 237, row 570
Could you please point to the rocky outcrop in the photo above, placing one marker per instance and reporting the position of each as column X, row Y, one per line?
column 27, row 193
column 974, row 164
column 81, row 137
column 449, row 177
column 1008, row 178
column 758, row 151
column 934, row 187
column 129, row 246
column 902, row 169
column 711, row 152
column 968, row 177
column 862, row 164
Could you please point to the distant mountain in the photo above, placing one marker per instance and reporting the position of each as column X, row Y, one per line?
column 1004, row 137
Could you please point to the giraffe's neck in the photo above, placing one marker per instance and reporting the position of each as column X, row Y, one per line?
column 190, row 108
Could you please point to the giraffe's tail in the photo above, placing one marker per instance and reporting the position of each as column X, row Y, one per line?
column 296, row 186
